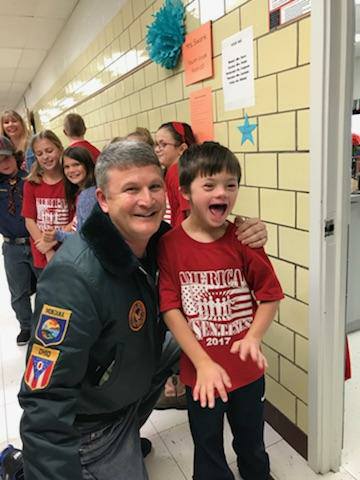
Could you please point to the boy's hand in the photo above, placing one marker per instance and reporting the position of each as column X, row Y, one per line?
column 251, row 231
column 210, row 376
column 49, row 235
column 250, row 346
column 44, row 247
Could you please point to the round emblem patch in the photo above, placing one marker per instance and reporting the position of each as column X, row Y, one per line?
column 50, row 329
column 137, row 315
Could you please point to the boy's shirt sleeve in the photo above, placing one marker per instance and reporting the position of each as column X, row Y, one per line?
column 169, row 287
column 260, row 275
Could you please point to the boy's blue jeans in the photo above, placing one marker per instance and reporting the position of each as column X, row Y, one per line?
column 245, row 413
column 19, row 271
column 114, row 452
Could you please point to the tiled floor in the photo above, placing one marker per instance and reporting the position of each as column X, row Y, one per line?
column 171, row 457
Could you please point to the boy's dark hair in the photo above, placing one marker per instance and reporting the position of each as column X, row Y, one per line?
column 208, row 158
column 74, row 125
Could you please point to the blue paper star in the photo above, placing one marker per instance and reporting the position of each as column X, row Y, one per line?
column 246, row 130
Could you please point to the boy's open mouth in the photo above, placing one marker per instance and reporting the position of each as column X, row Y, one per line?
column 218, row 209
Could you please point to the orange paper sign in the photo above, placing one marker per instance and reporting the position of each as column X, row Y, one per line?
column 197, row 54
column 201, row 114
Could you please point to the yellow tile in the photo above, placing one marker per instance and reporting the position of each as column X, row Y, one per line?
column 247, row 202
column 164, row 73
column 145, row 20
column 235, row 136
column 134, row 103
column 261, row 169
column 255, row 14
column 272, row 358
column 192, row 17
column 125, row 41
column 159, row 94
column 231, row 4
column 154, row 119
column 139, row 80
column 286, row 275
column 302, row 352
column 191, row 88
column 278, row 51
column 294, row 245
column 151, row 74
column 118, row 24
column 221, row 133
column 265, row 96
column 281, row 398
column 222, row 114
column 304, row 40
column 277, row 206
column 168, row 113
column 294, row 379
column 303, row 130
column 215, row 82
column 138, row 7
column 135, row 33
column 132, row 123
column 293, row 88
column 302, row 416
column 280, row 339
column 146, row 102
column 109, row 33
column 294, row 315
column 174, row 90
column 125, row 106
column 142, row 120
column 276, row 132
column 302, row 284
column 294, row 171
column 183, row 111
column 123, row 127
column 128, row 85
column 108, row 132
column 302, row 211
column 271, row 246
column 127, row 14
column 225, row 27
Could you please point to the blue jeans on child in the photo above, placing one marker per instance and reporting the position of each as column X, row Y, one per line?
column 245, row 413
column 20, row 274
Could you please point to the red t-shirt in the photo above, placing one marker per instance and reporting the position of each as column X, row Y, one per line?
column 178, row 204
column 46, row 205
column 216, row 286
column 88, row 146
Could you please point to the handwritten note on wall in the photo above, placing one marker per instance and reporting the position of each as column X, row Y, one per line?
column 197, row 54
column 201, row 114
column 238, row 70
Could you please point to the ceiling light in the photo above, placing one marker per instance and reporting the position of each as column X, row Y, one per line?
column 357, row 37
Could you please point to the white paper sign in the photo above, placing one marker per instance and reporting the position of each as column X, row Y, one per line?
column 238, row 70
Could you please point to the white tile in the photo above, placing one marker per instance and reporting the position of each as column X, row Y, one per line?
column 160, row 464
column 270, row 436
column 13, row 413
column 148, row 430
column 165, row 419
column 179, row 442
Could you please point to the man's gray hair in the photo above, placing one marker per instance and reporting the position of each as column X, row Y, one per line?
column 122, row 155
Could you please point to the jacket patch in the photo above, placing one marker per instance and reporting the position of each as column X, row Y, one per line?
column 137, row 315
column 52, row 325
column 40, row 367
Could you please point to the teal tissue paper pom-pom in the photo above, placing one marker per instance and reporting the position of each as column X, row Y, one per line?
column 166, row 34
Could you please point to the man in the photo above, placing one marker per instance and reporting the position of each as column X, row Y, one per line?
column 18, row 263
column 96, row 363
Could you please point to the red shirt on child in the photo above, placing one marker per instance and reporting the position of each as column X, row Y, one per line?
column 178, row 204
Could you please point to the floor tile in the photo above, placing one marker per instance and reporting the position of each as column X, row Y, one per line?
column 160, row 464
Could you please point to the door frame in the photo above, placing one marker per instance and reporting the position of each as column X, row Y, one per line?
column 332, row 59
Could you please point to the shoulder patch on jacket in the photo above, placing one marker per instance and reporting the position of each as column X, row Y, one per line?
column 137, row 316
column 40, row 367
column 52, row 325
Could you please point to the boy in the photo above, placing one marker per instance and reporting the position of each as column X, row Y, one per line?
column 209, row 288
column 20, row 272
column 75, row 129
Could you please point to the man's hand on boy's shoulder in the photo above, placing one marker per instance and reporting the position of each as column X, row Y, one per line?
column 251, row 231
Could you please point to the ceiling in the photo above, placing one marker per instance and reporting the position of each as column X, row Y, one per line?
column 28, row 30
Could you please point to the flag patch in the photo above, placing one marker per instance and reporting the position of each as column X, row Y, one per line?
column 40, row 367
column 52, row 325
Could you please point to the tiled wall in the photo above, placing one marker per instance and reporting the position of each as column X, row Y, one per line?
column 275, row 183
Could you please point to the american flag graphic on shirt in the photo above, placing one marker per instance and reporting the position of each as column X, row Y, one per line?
column 216, row 303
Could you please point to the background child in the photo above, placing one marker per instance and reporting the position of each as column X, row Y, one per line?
column 171, row 140
column 141, row 134
column 75, row 129
column 209, row 288
column 78, row 170
column 44, row 205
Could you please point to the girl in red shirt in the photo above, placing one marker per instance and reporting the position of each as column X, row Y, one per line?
column 44, row 205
